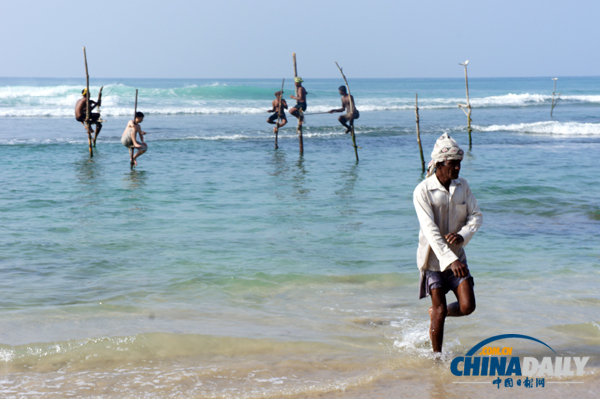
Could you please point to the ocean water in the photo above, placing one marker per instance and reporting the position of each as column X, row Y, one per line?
column 221, row 267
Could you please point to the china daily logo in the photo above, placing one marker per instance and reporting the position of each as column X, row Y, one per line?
column 489, row 360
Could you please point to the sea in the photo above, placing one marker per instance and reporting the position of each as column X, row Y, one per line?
column 222, row 267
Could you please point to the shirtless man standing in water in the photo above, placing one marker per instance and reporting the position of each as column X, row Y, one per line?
column 129, row 139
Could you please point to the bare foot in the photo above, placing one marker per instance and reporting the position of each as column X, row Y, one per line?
column 275, row 129
column 135, row 162
column 347, row 131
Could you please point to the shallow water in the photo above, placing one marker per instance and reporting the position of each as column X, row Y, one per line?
column 221, row 267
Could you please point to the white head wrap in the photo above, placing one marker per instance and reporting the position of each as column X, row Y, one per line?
column 445, row 149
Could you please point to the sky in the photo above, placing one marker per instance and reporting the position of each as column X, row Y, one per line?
column 256, row 39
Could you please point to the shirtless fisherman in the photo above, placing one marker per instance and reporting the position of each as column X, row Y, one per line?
column 277, row 109
column 300, row 98
column 348, row 119
column 449, row 217
column 80, row 110
column 129, row 139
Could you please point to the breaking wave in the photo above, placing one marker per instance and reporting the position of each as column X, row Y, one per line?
column 548, row 128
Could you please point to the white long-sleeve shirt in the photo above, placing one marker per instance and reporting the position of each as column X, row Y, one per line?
column 441, row 212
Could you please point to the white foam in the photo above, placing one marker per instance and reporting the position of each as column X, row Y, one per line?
column 548, row 127
column 58, row 101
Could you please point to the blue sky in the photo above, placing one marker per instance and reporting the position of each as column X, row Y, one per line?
column 256, row 39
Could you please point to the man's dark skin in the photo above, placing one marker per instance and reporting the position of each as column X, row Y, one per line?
column 346, row 120
column 275, row 108
column 299, row 97
column 80, row 111
column 446, row 172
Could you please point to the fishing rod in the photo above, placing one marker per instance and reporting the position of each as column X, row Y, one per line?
column 115, row 86
column 318, row 113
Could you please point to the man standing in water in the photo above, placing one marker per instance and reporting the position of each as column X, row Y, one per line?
column 300, row 98
column 449, row 217
column 80, row 111
column 348, row 119
column 129, row 138
column 279, row 105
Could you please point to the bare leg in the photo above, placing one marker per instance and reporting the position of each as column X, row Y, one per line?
column 131, row 162
column 343, row 119
column 466, row 300
column 437, row 312
column 294, row 111
column 140, row 151
column 273, row 123
column 98, row 128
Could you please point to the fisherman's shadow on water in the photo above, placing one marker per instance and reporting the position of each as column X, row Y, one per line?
column 135, row 179
column 89, row 171
column 279, row 163
column 299, row 180
column 347, row 210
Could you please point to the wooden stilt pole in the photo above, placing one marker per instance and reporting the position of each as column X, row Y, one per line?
column 279, row 111
column 553, row 93
column 352, row 108
column 467, row 106
column 88, row 125
column 99, row 117
column 299, row 129
column 135, row 108
column 131, row 164
column 419, row 133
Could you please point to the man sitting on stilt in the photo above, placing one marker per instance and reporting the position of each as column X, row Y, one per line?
column 300, row 98
column 279, row 105
column 131, row 134
column 80, row 111
column 348, row 119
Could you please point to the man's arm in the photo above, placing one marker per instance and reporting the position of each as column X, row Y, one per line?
column 134, row 128
column 475, row 218
column 339, row 109
column 141, row 133
column 273, row 106
column 436, row 241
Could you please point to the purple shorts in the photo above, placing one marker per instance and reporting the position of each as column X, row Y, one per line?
column 445, row 280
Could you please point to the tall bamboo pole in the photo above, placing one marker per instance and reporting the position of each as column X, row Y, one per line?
column 135, row 107
column 468, row 106
column 280, row 111
column 87, row 104
column 299, row 129
column 419, row 133
column 99, row 120
column 352, row 109
column 131, row 163
column 553, row 93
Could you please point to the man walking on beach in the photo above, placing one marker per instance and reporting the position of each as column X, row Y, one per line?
column 449, row 217
column 300, row 98
column 279, row 105
column 80, row 111
column 129, row 138
column 348, row 119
